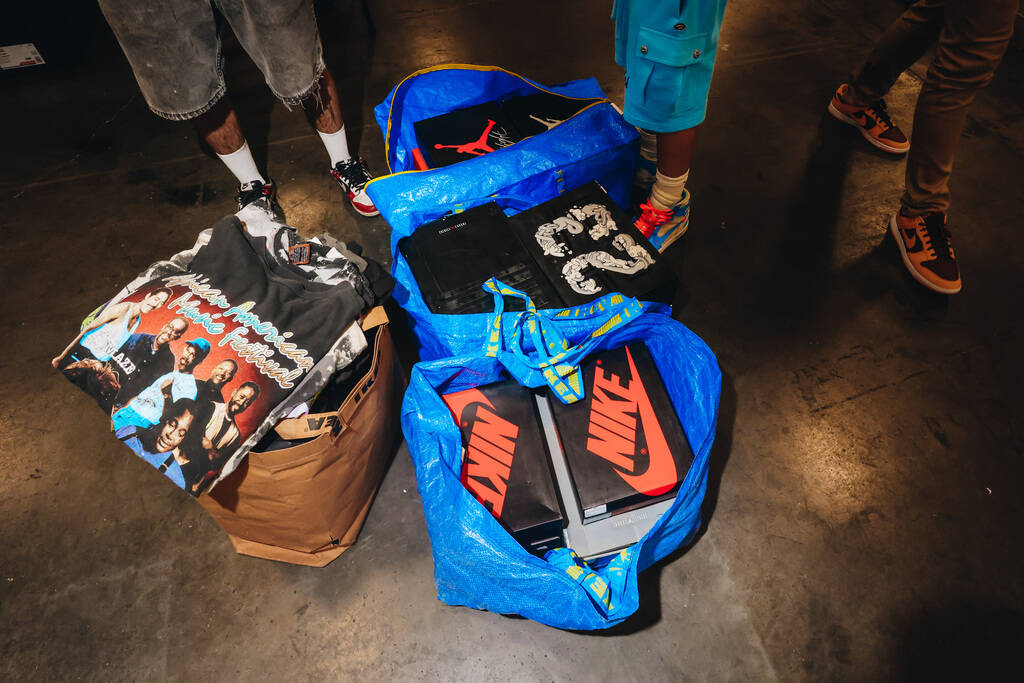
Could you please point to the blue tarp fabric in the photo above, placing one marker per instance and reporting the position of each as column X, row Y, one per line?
column 595, row 144
column 476, row 562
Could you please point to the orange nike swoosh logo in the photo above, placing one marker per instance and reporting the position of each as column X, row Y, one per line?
column 660, row 476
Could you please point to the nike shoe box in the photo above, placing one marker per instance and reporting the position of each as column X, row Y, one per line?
column 479, row 129
column 453, row 256
column 505, row 462
column 588, row 247
column 619, row 454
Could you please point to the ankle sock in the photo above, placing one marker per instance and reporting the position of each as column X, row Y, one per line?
column 649, row 145
column 667, row 191
column 241, row 163
column 337, row 146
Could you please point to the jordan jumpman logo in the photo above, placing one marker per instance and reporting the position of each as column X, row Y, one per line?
column 477, row 147
column 548, row 123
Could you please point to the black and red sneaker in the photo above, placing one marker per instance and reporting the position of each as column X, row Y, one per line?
column 262, row 193
column 353, row 175
column 254, row 191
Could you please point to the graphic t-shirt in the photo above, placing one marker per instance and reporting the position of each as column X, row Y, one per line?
column 284, row 333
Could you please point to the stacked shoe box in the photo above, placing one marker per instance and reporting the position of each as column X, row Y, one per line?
column 593, row 475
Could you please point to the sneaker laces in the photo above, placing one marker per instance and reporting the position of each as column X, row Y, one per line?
column 881, row 114
column 353, row 173
column 251, row 191
column 935, row 237
column 653, row 216
column 650, row 218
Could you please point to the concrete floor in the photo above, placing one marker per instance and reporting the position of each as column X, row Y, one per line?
column 864, row 512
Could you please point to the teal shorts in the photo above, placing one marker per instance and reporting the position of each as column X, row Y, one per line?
column 667, row 48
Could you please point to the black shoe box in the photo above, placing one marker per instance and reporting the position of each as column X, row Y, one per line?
column 453, row 256
column 463, row 134
column 505, row 462
column 531, row 115
column 588, row 247
column 623, row 442
column 482, row 128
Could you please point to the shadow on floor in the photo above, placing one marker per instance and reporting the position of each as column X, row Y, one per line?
column 961, row 642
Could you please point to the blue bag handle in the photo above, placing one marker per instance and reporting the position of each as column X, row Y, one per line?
column 553, row 361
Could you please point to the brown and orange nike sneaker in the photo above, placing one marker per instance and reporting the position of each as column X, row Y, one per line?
column 927, row 252
column 872, row 121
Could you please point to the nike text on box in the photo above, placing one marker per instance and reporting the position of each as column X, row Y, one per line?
column 505, row 465
column 623, row 443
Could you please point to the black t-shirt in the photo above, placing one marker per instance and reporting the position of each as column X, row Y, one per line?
column 241, row 305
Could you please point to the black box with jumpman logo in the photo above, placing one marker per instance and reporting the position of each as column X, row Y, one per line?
column 588, row 247
column 482, row 128
column 623, row 443
column 463, row 134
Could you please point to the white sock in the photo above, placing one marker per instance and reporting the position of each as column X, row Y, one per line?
column 648, row 145
column 337, row 146
column 241, row 163
column 667, row 191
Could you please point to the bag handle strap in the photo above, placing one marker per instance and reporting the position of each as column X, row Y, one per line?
column 313, row 425
column 553, row 359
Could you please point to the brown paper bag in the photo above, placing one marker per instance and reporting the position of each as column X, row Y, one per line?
column 306, row 504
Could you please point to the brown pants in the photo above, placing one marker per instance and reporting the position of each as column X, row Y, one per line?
column 972, row 37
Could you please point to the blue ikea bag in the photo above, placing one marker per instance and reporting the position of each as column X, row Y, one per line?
column 595, row 144
column 476, row 562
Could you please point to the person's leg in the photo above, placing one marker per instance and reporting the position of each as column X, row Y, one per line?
column 324, row 114
column 220, row 129
column 902, row 44
column 674, row 153
column 668, row 49
column 665, row 216
column 281, row 37
column 972, row 44
column 174, row 51
column 973, row 41
column 859, row 103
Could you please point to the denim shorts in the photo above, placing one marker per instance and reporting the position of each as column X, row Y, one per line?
column 668, row 50
column 174, row 48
